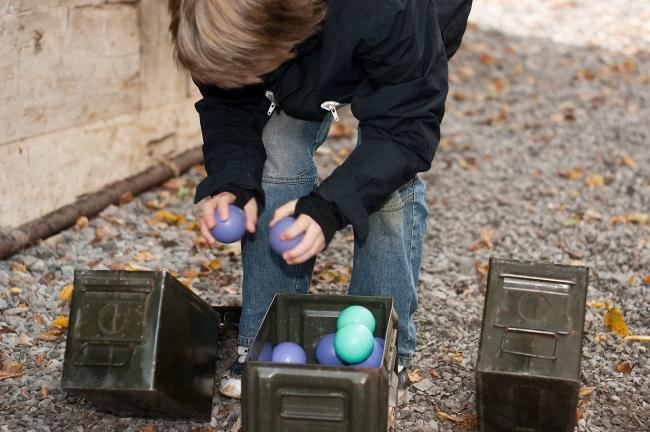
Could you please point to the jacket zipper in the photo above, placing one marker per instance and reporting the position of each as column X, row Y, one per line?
column 331, row 106
column 271, row 98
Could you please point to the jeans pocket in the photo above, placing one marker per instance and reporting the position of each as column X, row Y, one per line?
column 398, row 199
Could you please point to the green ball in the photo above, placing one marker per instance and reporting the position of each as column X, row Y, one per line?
column 353, row 343
column 356, row 315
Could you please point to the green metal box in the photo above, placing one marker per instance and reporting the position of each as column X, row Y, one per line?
column 312, row 397
column 528, row 368
column 141, row 344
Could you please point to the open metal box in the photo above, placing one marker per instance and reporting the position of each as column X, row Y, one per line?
column 290, row 398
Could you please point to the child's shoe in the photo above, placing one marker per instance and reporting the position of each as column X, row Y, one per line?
column 231, row 378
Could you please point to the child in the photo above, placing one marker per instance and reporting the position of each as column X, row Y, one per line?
column 273, row 74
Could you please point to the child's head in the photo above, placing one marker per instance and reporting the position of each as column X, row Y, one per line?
column 231, row 43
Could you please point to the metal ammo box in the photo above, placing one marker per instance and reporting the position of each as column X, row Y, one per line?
column 291, row 398
column 528, row 369
column 141, row 344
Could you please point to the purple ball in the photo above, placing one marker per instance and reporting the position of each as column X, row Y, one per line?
column 266, row 353
column 374, row 361
column 289, row 352
column 232, row 229
column 325, row 353
column 277, row 244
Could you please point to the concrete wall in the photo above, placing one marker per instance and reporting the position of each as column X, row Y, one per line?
column 89, row 94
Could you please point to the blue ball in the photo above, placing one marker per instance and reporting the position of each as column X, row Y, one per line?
column 289, row 352
column 374, row 361
column 277, row 244
column 232, row 229
column 325, row 352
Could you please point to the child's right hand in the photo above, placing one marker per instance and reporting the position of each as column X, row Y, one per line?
column 220, row 202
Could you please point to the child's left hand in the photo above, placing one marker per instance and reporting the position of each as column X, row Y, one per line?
column 313, row 242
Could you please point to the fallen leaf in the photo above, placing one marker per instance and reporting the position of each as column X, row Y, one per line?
column 125, row 198
column 646, row 279
column 486, row 59
column 173, row 184
column 81, row 222
column 586, row 391
column 25, row 340
column 591, row 215
column 416, row 375
column 11, row 369
column 632, row 280
column 467, row 72
column 460, row 95
column 458, row 356
column 497, row 85
column 624, row 366
column 333, row 276
column 7, row 330
column 599, row 304
column 615, row 322
column 191, row 273
column 434, row 374
column 52, row 334
column 38, row 319
column 144, row 256
column 169, row 217
column 213, row 265
column 469, row 163
column 595, row 180
column 61, row 322
column 637, row 218
column 134, row 267
column 18, row 267
column 149, row 428
column 15, row 291
column 448, row 417
column 571, row 174
column 43, row 391
column 628, row 161
column 585, row 75
column 66, row 293
column 600, row 337
column 39, row 360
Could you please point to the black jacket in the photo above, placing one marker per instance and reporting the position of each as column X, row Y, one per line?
column 388, row 58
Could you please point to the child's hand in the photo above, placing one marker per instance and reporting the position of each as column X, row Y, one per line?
column 221, row 202
column 313, row 242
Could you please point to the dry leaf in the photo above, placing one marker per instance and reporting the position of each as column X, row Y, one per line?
column 600, row 337
column 134, row 267
column 149, row 428
column 458, row 356
column 571, row 174
column 590, row 215
column 52, row 334
column 486, row 59
column 599, row 304
column 416, row 375
column 38, row 319
column 646, row 279
column 595, row 180
column 24, row 340
column 82, row 222
column 61, row 322
column 434, row 374
column 43, row 391
column 497, row 86
column 11, row 369
column 441, row 415
column 15, row 291
column 632, row 279
column 169, row 217
column 18, row 267
column 637, row 218
column 460, row 95
column 39, row 360
column 469, row 163
column 585, row 75
column 615, row 322
column 213, row 265
column 144, row 256
column 125, row 198
column 6, row 330
column 624, row 367
column 628, row 161
column 66, row 293
column 586, row 391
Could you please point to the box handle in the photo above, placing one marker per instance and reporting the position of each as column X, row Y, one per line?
column 114, row 359
column 534, row 333
column 392, row 351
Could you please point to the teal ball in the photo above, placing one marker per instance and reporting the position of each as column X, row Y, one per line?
column 354, row 343
column 356, row 315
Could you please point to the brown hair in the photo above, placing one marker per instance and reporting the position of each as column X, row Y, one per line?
column 232, row 43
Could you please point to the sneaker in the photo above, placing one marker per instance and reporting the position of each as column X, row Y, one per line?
column 403, row 383
column 231, row 378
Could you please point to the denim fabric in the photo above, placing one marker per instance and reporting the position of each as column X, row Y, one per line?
column 387, row 264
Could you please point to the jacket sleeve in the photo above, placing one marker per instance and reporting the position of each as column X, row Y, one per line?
column 232, row 122
column 399, row 111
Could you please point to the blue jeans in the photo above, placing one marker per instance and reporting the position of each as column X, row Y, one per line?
column 386, row 265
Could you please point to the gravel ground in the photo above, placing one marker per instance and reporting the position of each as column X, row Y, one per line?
column 545, row 157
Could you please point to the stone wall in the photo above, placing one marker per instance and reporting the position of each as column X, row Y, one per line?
column 89, row 94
